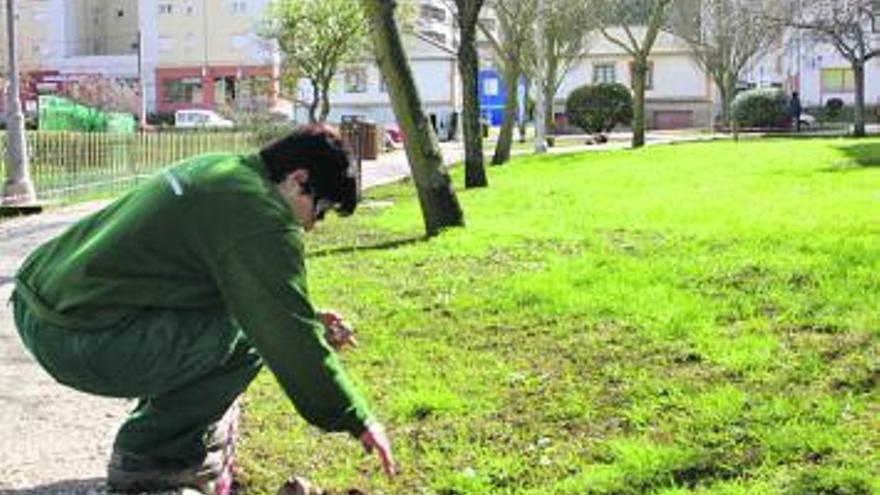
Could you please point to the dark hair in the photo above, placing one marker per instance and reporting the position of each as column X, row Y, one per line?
column 319, row 149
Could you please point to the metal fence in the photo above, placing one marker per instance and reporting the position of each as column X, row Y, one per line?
column 67, row 166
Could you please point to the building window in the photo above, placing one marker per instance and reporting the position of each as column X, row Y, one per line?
column 490, row 87
column 189, row 8
column 120, row 13
column 254, row 91
column 435, row 36
column 838, row 81
column 875, row 19
column 188, row 90
column 604, row 73
column 649, row 77
column 433, row 13
column 356, row 80
column 238, row 6
column 166, row 8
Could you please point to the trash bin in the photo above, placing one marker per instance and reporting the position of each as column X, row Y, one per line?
column 370, row 143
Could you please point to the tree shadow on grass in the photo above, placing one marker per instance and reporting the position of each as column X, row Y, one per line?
column 860, row 156
column 381, row 246
column 92, row 486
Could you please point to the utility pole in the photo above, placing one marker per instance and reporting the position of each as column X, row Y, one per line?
column 142, row 83
column 541, row 76
column 18, row 191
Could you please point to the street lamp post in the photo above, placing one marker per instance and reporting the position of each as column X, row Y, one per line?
column 18, row 189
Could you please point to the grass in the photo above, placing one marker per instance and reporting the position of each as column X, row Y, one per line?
column 683, row 319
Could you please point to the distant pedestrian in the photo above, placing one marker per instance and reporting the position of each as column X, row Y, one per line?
column 795, row 109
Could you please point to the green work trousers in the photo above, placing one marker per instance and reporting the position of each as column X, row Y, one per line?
column 186, row 367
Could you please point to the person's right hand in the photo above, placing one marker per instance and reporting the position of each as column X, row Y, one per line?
column 376, row 439
column 337, row 331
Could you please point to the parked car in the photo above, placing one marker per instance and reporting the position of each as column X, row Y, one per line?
column 807, row 120
column 199, row 118
column 393, row 133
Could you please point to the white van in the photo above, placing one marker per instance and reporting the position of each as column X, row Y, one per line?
column 199, row 118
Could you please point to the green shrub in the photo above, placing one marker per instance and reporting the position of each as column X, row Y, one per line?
column 834, row 106
column 845, row 114
column 599, row 108
column 763, row 108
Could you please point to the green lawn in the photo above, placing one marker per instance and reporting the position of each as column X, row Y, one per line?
column 681, row 319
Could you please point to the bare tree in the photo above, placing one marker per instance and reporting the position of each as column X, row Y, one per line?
column 440, row 207
column 565, row 33
column 467, row 13
column 512, row 46
column 725, row 36
column 848, row 26
column 634, row 25
column 316, row 37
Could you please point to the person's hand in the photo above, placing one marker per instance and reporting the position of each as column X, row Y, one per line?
column 376, row 439
column 338, row 333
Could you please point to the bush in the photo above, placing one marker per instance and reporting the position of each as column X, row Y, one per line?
column 845, row 114
column 598, row 108
column 761, row 108
column 834, row 106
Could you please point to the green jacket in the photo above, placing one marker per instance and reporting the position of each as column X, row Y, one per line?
column 211, row 231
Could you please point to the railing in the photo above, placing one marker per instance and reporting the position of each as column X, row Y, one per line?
column 66, row 166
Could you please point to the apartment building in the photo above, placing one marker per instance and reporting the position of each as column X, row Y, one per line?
column 430, row 43
column 816, row 70
column 195, row 53
column 819, row 73
column 210, row 55
column 360, row 90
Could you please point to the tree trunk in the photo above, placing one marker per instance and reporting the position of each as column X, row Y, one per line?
column 640, row 72
column 550, row 95
column 325, row 101
column 440, row 207
column 859, row 117
column 316, row 100
column 726, row 88
column 468, row 67
column 505, row 136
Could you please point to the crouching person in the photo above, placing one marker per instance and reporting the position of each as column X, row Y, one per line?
column 177, row 293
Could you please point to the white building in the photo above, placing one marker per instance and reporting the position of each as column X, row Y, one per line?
column 678, row 93
column 816, row 70
column 820, row 73
column 360, row 90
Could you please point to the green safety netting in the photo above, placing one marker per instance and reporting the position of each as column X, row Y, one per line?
column 62, row 114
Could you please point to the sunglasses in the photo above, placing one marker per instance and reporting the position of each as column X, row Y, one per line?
column 322, row 205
